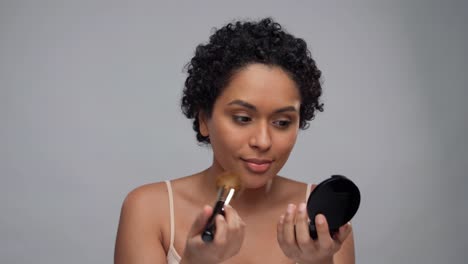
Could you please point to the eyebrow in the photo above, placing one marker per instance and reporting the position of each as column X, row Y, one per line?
column 253, row 108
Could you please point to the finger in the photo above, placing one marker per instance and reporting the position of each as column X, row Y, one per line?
column 303, row 239
column 231, row 216
column 221, row 230
column 200, row 221
column 324, row 238
column 289, row 234
column 235, row 224
column 344, row 232
column 235, row 232
column 280, row 230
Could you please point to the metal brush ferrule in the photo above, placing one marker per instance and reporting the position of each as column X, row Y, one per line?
column 225, row 194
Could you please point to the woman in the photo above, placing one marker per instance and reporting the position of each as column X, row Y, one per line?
column 249, row 91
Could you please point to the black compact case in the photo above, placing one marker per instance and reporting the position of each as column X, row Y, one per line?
column 337, row 198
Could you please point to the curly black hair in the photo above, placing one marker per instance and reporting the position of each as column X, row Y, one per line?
column 237, row 45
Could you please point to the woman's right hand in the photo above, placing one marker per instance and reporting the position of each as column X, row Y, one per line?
column 227, row 241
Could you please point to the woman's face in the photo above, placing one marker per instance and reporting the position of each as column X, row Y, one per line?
column 254, row 124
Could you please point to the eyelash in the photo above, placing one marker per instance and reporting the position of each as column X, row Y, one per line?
column 244, row 120
column 241, row 119
column 282, row 124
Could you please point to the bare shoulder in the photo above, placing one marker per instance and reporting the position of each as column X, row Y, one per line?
column 146, row 197
column 148, row 205
column 144, row 216
column 291, row 189
column 143, row 199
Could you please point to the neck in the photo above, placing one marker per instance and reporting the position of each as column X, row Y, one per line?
column 254, row 198
column 208, row 185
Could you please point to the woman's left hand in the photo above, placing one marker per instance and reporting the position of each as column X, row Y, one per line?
column 296, row 243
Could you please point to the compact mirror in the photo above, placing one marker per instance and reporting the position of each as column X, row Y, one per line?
column 337, row 198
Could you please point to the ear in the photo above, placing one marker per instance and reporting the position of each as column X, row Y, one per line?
column 203, row 123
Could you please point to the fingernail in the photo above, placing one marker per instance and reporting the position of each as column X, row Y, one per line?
column 320, row 219
column 302, row 207
column 281, row 219
column 290, row 208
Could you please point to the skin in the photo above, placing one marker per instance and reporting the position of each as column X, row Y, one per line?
column 252, row 135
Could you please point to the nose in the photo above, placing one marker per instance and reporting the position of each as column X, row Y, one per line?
column 260, row 138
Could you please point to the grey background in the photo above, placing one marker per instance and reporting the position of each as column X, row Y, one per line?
column 89, row 94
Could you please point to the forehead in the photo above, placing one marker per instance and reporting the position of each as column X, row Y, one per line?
column 261, row 84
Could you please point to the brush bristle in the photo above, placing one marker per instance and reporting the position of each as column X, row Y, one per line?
column 229, row 180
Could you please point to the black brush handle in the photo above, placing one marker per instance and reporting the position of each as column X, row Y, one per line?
column 210, row 228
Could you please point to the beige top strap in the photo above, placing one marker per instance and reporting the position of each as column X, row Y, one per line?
column 171, row 210
column 309, row 187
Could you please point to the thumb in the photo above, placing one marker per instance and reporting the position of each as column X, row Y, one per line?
column 200, row 221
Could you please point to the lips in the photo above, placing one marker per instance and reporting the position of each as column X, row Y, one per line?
column 257, row 165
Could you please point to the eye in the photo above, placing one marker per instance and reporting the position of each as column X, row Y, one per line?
column 282, row 123
column 241, row 119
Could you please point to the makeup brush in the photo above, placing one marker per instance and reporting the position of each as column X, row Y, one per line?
column 228, row 184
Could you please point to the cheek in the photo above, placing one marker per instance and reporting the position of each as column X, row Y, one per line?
column 286, row 143
column 224, row 138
